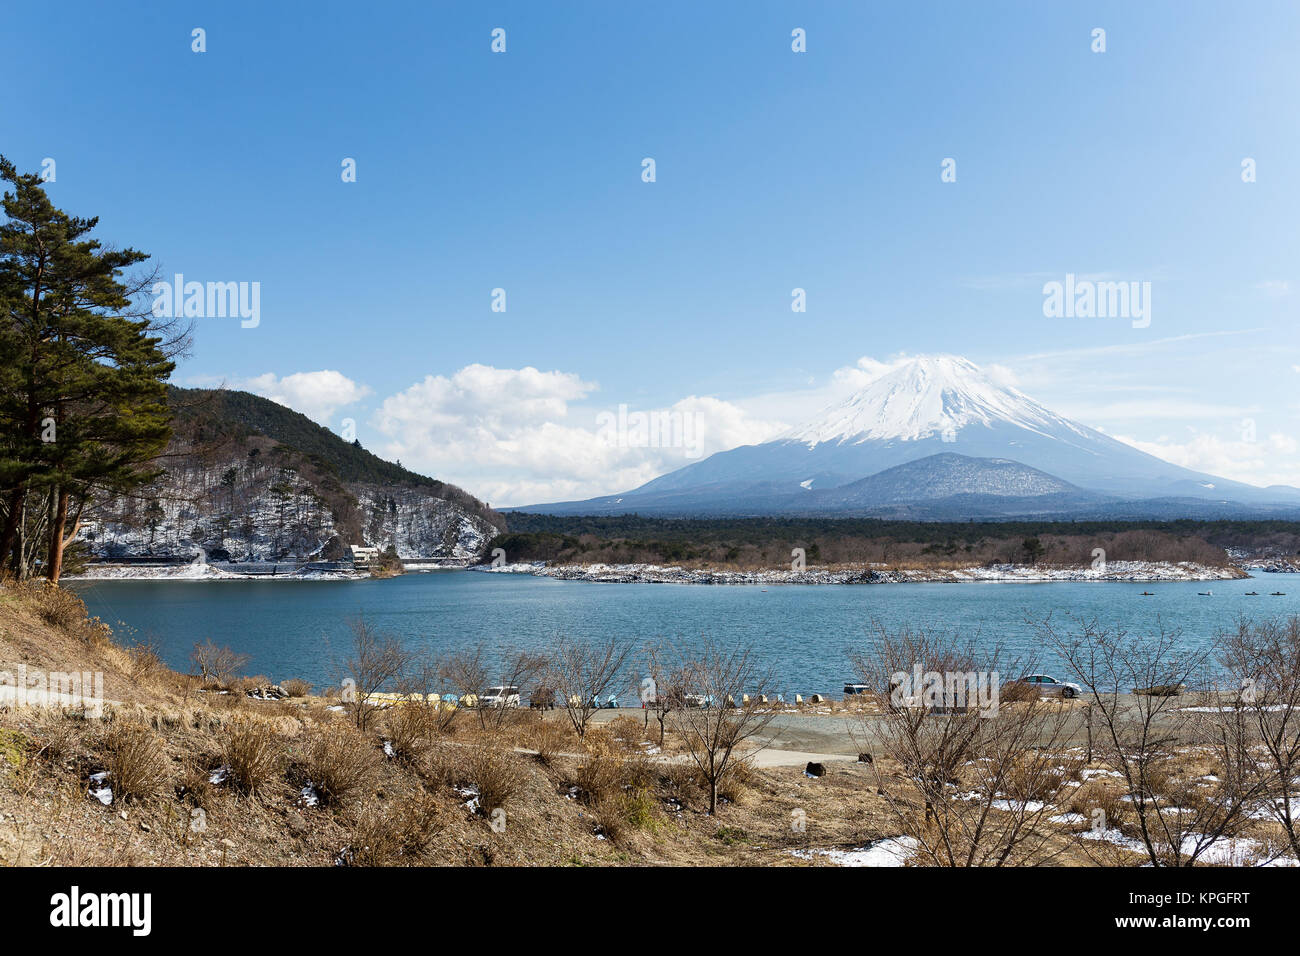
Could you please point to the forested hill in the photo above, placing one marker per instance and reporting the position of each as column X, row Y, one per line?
column 247, row 479
column 226, row 414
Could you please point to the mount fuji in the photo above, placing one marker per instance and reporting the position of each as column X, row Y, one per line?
column 937, row 437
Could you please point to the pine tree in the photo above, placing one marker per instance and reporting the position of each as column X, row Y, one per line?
column 82, row 379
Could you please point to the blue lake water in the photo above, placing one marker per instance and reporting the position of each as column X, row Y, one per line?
column 300, row 628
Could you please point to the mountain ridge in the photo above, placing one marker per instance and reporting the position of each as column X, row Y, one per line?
column 925, row 407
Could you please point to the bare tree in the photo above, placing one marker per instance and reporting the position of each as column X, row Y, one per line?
column 584, row 672
column 471, row 672
column 217, row 666
column 518, row 669
column 378, row 661
column 657, row 696
column 979, row 764
column 1263, row 663
column 1134, row 685
column 420, row 685
column 713, row 732
column 466, row 670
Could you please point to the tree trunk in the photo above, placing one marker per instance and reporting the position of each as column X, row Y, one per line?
column 54, row 559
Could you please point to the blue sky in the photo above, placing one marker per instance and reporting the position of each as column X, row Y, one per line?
column 774, row 170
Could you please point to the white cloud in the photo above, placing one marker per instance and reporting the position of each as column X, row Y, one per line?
column 523, row 436
column 318, row 395
column 1003, row 376
column 1271, row 460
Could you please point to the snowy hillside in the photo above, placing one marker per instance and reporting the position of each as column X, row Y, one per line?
column 249, row 480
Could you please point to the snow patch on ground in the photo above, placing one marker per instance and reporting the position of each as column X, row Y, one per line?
column 892, row 851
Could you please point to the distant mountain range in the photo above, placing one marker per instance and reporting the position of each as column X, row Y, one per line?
column 937, row 438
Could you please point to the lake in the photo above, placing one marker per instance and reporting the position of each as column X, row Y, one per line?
column 300, row 628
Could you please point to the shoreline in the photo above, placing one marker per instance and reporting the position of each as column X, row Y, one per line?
column 1132, row 572
column 209, row 572
column 1116, row 571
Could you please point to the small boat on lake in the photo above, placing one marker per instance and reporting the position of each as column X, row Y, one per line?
column 1205, row 593
column 1278, row 594
column 1148, row 594
column 1252, row 594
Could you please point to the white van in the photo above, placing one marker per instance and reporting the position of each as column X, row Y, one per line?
column 500, row 696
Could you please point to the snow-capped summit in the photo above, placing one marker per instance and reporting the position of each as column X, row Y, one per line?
column 980, row 446
column 930, row 395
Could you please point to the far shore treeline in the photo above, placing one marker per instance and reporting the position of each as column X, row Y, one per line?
column 768, row 541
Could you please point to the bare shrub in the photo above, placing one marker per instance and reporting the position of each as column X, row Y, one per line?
column 410, row 729
column 626, row 732
column 598, row 777
column 296, row 687
column 550, row 738
column 136, row 762
column 471, row 671
column 339, row 761
column 736, row 782
column 621, row 814
column 495, row 774
column 395, row 835
column 680, row 781
column 218, row 667
column 54, row 605
column 657, row 697
column 254, row 755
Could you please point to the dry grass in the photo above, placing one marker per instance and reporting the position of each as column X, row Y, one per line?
column 296, row 687
column 339, row 761
column 550, row 738
column 397, row 835
column 137, row 764
column 254, row 755
column 736, row 782
column 1098, row 795
column 411, row 730
column 495, row 773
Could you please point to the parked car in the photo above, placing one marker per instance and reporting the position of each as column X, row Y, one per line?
column 500, row 696
column 542, row 698
column 1049, row 686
